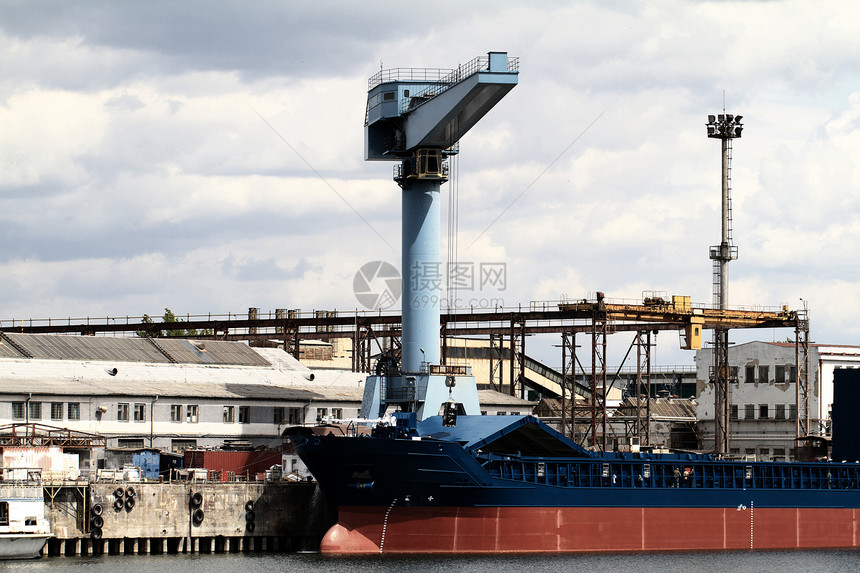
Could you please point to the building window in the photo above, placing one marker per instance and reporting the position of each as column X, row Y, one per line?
column 139, row 412
column 4, row 513
column 35, row 411
column 180, row 445
column 763, row 374
column 792, row 411
column 792, row 374
column 337, row 413
column 229, row 414
column 244, row 414
column 18, row 411
column 191, row 413
column 130, row 443
column 764, row 453
column 735, row 451
column 278, row 415
column 780, row 413
column 733, row 412
column 294, row 416
column 779, row 374
column 763, row 412
column 500, row 413
column 122, row 412
column 56, row 410
column 74, row 410
column 321, row 413
column 749, row 451
column 176, row 412
column 749, row 411
column 749, row 378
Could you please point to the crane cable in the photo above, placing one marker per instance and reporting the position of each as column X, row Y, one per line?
column 451, row 270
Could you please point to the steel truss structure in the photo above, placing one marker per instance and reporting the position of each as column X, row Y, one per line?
column 584, row 419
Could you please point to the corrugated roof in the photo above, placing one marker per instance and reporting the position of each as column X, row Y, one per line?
column 8, row 351
column 66, row 347
column 211, row 352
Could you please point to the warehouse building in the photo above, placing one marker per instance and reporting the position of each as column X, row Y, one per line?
column 174, row 394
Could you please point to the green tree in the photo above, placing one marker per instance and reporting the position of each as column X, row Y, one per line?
column 143, row 333
column 170, row 318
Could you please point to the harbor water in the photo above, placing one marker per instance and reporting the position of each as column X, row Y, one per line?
column 740, row 562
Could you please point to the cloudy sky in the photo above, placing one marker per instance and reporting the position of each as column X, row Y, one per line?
column 208, row 156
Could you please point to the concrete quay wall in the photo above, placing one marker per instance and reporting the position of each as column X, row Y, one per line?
column 183, row 517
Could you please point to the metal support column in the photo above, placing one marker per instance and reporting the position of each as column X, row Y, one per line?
column 513, row 338
column 568, row 376
column 643, row 404
column 497, row 346
column 721, row 376
column 801, row 359
column 598, row 383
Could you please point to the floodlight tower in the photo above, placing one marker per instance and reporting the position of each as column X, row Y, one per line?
column 724, row 127
column 415, row 117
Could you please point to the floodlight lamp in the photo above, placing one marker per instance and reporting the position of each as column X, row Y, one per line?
column 711, row 119
column 711, row 130
column 738, row 119
column 738, row 131
column 722, row 117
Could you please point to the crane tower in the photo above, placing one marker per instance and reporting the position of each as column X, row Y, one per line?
column 415, row 117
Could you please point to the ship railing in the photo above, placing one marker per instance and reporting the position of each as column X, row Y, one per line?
column 681, row 472
column 449, row 370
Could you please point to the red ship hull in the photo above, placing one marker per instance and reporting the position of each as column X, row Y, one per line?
column 566, row 530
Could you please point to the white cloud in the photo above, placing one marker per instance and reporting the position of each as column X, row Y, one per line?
column 136, row 173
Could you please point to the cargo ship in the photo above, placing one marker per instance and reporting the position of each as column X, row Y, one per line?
column 465, row 483
column 513, row 484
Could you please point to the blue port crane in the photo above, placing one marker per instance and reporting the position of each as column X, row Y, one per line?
column 415, row 117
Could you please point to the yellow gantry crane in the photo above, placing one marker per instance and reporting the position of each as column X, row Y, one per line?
column 691, row 321
column 680, row 312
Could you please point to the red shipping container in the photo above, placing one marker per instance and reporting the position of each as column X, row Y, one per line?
column 241, row 463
